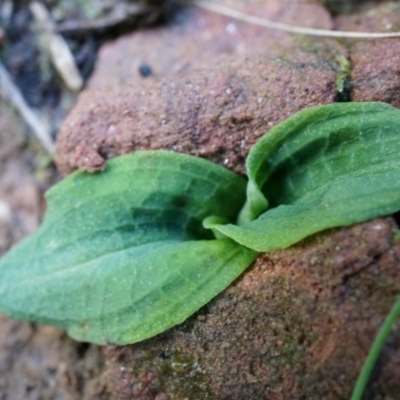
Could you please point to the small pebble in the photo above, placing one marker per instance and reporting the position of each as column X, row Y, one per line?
column 145, row 70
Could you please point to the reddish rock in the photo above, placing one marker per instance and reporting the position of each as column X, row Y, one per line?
column 297, row 325
column 218, row 86
column 196, row 39
column 217, row 114
column 375, row 63
column 376, row 71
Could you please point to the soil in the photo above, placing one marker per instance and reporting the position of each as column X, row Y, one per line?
column 300, row 321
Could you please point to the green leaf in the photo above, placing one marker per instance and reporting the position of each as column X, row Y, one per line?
column 123, row 255
column 325, row 167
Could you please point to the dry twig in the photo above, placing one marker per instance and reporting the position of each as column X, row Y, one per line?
column 59, row 51
column 11, row 93
column 121, row 12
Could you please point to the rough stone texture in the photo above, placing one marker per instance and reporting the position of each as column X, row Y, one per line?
column 297, row 325
column 375, row 72
column 194, row 39
column 216, row 114
column 218, row 86
column 38, row 362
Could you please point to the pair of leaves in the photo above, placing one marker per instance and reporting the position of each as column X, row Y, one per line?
column 128, row 253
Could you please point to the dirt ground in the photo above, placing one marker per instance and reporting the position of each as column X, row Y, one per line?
column 299, row 322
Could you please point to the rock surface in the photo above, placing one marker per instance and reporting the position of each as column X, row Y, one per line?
column 375, row 63
column 218, row 85
column 40, row 362
column 298, row 324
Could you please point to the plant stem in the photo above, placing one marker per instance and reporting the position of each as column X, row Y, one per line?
column 375, row 350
